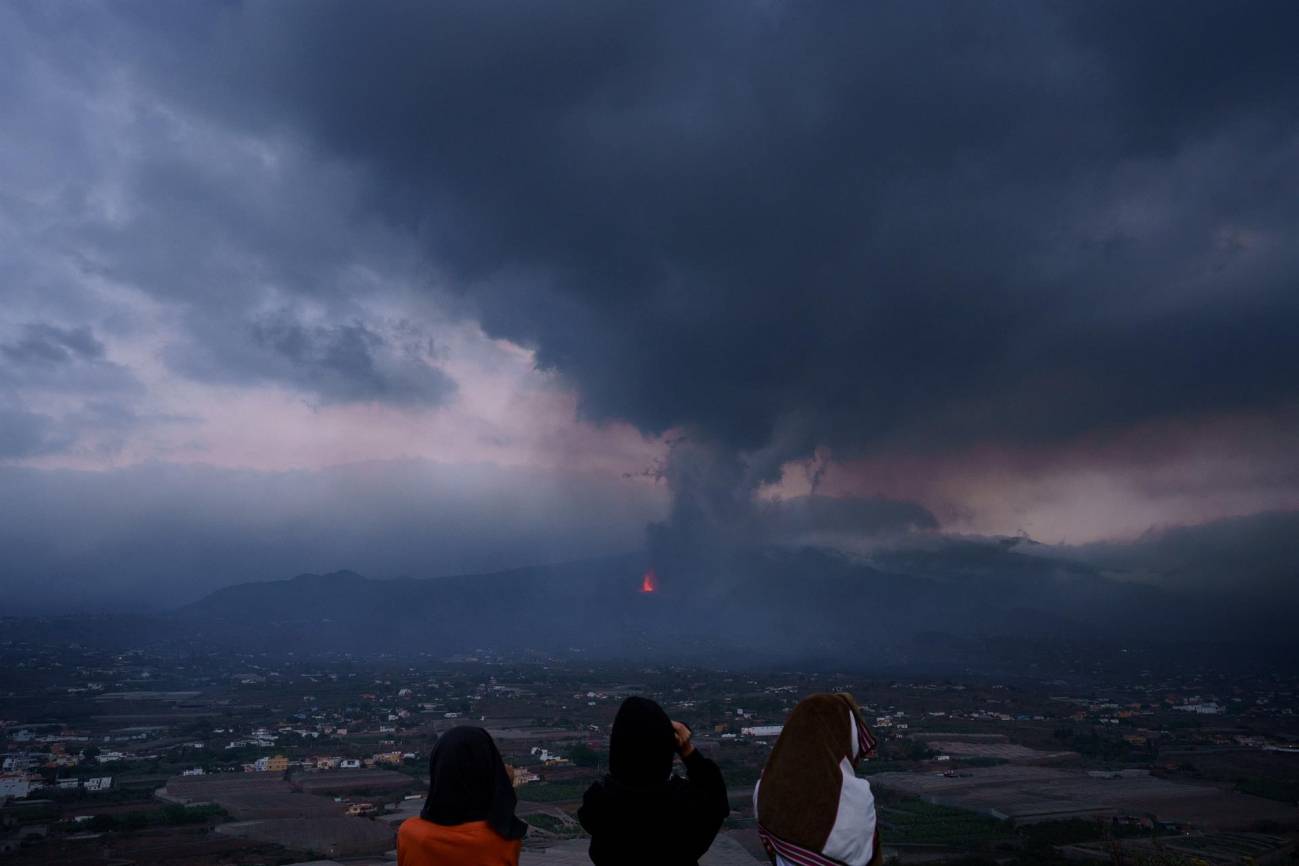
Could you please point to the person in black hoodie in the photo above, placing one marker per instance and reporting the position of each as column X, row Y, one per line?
column 641, row 812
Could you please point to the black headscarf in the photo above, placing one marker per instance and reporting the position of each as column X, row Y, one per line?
column 468, row 782
column 641, row 744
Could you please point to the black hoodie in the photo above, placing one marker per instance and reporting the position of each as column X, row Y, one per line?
column 643, row 814
column 468, row 782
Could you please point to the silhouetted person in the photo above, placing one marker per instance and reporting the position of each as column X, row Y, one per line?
column 811, row 806
column 468, row 818
column 641, row 812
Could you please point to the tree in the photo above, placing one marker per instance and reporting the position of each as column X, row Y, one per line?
column 584, row 756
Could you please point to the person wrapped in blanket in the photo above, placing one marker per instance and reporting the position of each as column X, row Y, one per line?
column 812, row 809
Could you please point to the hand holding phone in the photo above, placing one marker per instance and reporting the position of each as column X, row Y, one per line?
column 683, row 732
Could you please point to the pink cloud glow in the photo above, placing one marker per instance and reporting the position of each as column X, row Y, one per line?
column 1103, row 486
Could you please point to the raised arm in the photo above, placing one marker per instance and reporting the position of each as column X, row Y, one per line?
column 709, row 802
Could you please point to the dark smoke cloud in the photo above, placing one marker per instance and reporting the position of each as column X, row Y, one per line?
column 818, row 225
column 714, row 518
column 815, row 517
column 773, row 226
column 1256, row 555
column 346, row 363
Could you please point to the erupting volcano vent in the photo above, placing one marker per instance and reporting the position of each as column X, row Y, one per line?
column 649, row 581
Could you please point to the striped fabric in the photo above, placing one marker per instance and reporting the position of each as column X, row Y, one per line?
column 792, row 853
column 852, row 833
column 866, row 742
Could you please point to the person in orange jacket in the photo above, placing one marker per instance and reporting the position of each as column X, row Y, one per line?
column 468, row 818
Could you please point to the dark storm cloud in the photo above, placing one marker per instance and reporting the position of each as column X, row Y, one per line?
column 775, row 226
column 43, row 343
column 343, row 362
column 221, row 249
column 145, row 217
column 1256, row 555
column 860, row 516
column 346, row 363
column 67, row 361
column 790, row 225
column 51, row 357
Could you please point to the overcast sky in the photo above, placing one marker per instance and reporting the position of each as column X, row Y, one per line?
column 1027, row 267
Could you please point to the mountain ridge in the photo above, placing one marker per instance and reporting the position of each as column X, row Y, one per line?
column 780, row 605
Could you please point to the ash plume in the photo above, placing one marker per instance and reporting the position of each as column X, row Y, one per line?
column 780, row 230
column 789, row 226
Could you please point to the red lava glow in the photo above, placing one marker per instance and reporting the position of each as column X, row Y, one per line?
column 649, row 582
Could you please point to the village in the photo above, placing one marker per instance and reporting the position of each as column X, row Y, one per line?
column 243, row 758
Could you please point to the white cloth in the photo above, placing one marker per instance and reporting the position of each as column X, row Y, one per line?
column 852, row 836
column 852, row 839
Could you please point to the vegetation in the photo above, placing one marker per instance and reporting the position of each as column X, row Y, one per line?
column 906, row 820
column 1069, row 832
column 1090, row 743
column 584, row 756
column 168, row 816
column 1285, row 790
column 914, row 820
